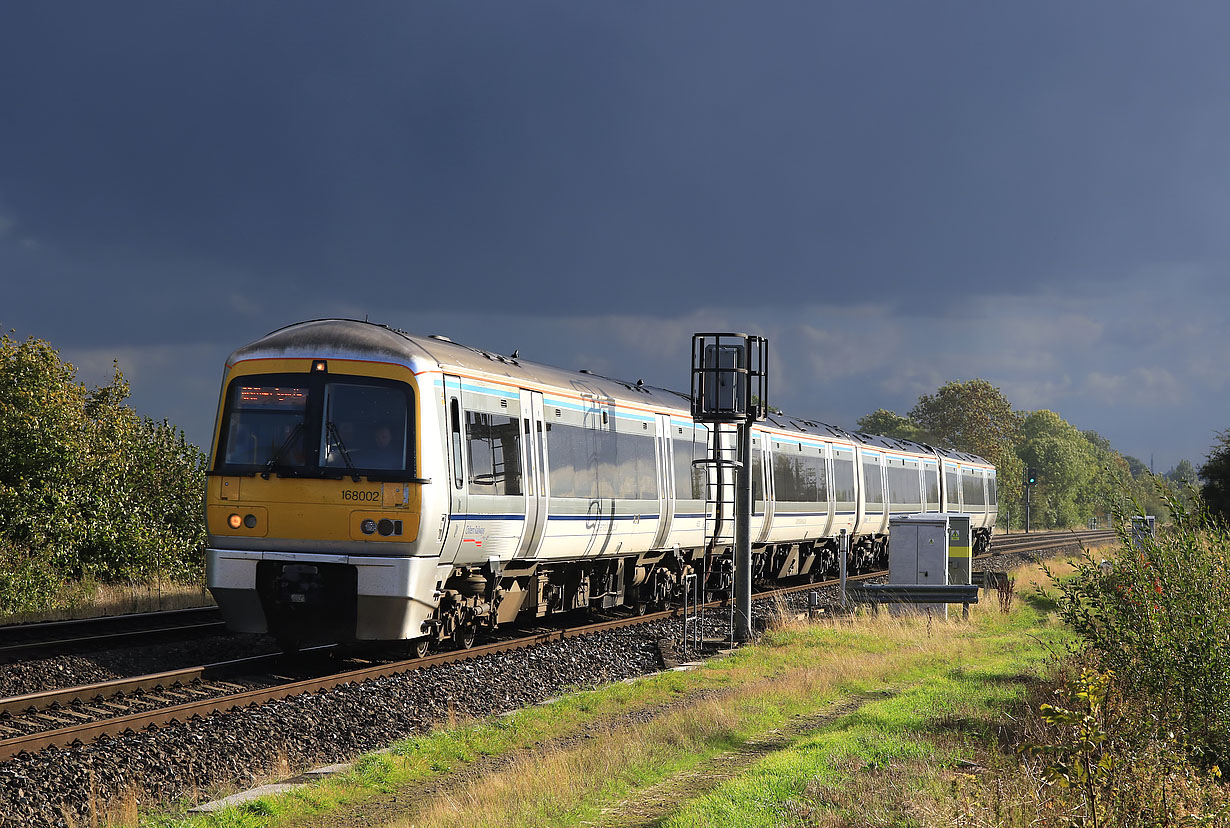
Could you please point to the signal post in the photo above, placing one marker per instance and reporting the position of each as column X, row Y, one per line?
column 730, row 385
column 1031, row 480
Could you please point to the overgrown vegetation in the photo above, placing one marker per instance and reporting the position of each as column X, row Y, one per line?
column 89, row 491
column 1081, row 476
column 1157, row 615
column 1145, row 728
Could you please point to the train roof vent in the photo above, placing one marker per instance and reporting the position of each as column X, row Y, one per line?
column 439, row 337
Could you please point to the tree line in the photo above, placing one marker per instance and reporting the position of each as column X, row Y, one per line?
column 1080, row 475
column 89, row 490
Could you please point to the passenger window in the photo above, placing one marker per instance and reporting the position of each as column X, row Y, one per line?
column 592, row 463
column 494, row 447
column 873, row 486
column 689, row 479
column 971, row 490
column 799, row 478
column 843, row 479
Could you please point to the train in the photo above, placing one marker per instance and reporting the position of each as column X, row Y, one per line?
column 366, row 484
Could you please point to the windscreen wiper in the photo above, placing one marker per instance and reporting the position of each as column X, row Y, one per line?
column 331, row 430
column 277, row 455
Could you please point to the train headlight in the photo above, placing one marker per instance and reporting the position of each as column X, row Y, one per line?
column 368, row 526
column 249, row 521
column 385, row 527
column 234, row 521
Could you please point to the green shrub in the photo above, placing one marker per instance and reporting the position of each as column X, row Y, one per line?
column 88, row 489
column 1158, row 616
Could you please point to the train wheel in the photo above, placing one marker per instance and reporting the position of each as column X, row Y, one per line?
column 420, row 647
column 640, row 608
column 463, row 637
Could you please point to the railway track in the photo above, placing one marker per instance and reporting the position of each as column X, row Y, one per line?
column 61, row 718
column 26, row 641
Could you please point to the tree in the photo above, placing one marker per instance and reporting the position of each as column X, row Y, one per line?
column 1136, row 466
column 88, row 489
column 1216, row 476
column 1183, row 474
column 1064, row 458
column 890, row 424
column 976, row 417
column 1111, row 477
column 971, row 416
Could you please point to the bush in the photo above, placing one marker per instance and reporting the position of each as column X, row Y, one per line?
column 1099, row 769
column 1158, row 619
column 88, row 489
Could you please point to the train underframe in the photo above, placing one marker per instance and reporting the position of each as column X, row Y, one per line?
column 484, row 597
column 478, row 598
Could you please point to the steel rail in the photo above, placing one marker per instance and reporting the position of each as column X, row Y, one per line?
column 52, row 636
column 45, row 699
column 78, row 734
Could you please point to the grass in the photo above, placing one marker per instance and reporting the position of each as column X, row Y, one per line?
column 808, row 728
column 91, row 599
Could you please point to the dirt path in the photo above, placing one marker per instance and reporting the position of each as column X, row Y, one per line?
column 649, row 807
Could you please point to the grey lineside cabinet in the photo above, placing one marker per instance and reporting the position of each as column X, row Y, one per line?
column 918, row 554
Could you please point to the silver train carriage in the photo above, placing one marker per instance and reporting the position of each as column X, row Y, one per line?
column 367, row 484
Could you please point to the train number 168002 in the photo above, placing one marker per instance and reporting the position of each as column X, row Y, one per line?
column 367, row 496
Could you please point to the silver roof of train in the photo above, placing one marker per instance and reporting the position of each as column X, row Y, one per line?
column 341, row 338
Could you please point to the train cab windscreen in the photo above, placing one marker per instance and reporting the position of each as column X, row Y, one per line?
column 266, row 424
column 364, row 426
column 317, row 427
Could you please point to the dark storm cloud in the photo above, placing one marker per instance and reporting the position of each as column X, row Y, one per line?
column 897, row 194
column 605, row 152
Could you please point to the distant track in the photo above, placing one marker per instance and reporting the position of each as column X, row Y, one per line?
column 61, row 718
column 26, row 641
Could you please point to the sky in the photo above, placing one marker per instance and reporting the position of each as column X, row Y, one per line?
column 896, row 194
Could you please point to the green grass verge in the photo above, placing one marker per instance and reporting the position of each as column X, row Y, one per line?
column 947, row 718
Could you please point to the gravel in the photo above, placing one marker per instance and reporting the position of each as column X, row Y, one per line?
column 187, row 760
column 18, row 678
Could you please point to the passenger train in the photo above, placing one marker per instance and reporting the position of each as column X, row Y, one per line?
column 366, row 484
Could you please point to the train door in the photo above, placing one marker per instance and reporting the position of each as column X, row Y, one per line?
column 666, row 480
column 496, row 483
column 762, row 497
column 769, row 485
column 456, row 467
column 533, row 458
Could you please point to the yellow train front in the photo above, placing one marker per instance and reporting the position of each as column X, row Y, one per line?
column 314, row 500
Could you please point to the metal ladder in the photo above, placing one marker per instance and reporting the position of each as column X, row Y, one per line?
column 720, row 487
column 722, row 466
